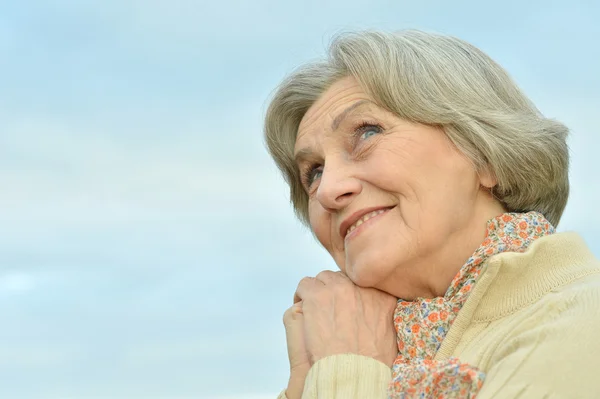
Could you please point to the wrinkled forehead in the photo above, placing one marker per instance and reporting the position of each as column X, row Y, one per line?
column 322, row 114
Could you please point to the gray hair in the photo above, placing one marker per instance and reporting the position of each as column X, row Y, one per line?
column 441, row 81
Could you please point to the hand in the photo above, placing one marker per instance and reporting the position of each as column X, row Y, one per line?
column 340, row 317
column 293, row 321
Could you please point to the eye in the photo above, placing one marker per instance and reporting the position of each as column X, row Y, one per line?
column 311, row 174
column 366, row 130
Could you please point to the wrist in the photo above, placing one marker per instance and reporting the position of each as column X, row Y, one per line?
column 295, row 385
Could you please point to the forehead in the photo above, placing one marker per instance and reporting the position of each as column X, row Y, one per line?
column 332, row 102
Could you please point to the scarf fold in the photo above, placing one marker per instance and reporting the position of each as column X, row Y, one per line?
column 422, row 324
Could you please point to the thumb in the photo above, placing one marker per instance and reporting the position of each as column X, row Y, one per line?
column 293, row 321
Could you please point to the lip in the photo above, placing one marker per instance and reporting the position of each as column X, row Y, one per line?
column 350, row 220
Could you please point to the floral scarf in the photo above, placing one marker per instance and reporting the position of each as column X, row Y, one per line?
column 422, row 325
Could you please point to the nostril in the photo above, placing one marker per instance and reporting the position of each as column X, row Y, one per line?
column 346, row 195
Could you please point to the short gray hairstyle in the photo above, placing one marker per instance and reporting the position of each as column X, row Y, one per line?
column 442, row 81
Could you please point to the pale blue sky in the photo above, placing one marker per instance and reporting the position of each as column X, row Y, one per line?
column 147, row 248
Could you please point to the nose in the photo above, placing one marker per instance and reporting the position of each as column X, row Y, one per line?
column 337, row 188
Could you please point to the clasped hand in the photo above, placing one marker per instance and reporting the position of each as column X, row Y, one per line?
column 331, row 315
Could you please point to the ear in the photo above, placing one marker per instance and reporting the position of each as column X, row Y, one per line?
column 487, row 178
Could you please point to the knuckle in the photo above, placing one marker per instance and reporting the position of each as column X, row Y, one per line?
column 291, row 314
column 291, row 317
column 325, row 274
column 308, row 286
column 306, row 280
column 287, row 313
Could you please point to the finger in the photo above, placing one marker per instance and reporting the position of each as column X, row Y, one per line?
column 305, row 287
column 291, row 314
column 293, row 320
column 327, row 276
column 297, row 307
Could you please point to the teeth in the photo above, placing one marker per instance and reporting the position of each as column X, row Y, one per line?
column 364, row 219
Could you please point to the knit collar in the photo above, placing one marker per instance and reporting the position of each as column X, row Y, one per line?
column 510, row 232
column 422, row 325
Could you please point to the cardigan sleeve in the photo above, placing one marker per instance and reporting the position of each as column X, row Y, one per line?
column 347, row 376
column 558, row 358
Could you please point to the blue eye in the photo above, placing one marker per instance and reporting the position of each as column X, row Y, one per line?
column 367, row 130
column 316, row 173
column 311, row 174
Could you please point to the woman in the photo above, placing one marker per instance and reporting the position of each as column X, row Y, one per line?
column 435, row 185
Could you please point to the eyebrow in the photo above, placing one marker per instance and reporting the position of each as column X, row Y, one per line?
column 306, row 152
column 342, row 115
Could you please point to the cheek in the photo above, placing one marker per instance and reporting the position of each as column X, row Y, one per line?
column 458, row 186
column 320, row 224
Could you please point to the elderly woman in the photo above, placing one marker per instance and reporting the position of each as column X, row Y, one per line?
column 435, row 185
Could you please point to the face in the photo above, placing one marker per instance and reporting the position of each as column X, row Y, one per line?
column 392, row 201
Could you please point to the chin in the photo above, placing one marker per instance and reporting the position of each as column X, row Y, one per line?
column 364, row 273
column 370, row 265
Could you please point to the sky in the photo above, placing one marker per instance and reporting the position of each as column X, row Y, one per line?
column 147, row 244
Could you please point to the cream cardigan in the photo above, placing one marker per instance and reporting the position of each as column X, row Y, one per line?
column 531, row 323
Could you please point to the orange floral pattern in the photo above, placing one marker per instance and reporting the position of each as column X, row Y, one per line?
column 422, row 325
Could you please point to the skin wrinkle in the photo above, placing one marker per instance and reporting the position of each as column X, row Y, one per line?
column 338, row 119
column 308, row 121
column 401, row 150
column 439, row 214
column 303, row 155
column 391, row 66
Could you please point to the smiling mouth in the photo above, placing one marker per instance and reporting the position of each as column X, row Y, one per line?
column 364, row 219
